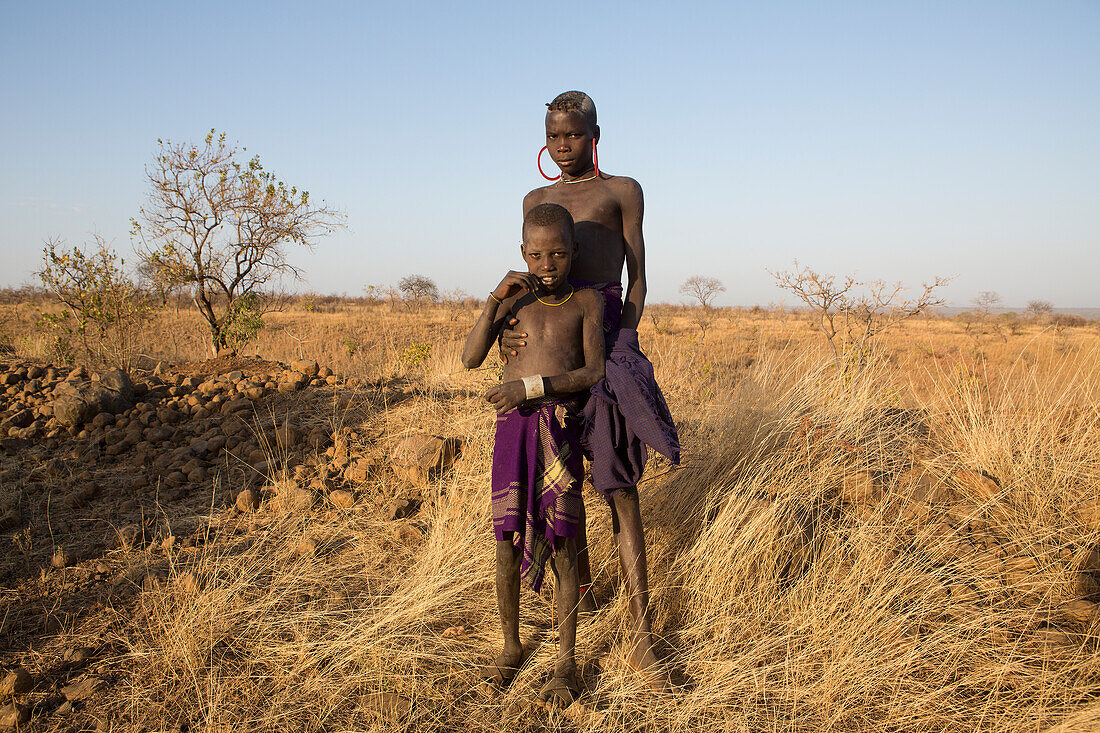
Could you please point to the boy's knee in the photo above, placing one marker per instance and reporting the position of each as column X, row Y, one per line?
column 625, row 494
column 508, row 555
column 565, row 555
column 623, row 501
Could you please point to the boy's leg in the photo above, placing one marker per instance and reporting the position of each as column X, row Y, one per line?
column 507, row 582
column 627, row 525
column 587, row 603
column 566, row 589
column 562, row 688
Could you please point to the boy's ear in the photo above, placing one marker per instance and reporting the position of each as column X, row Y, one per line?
column 596, row 134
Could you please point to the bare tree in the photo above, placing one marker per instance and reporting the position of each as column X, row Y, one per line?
column 418, row 288
column 1039, row 309
column 373, row 294
column 703, row 289
column 222, row 225
column 826, row 297
column 456, row 301
column 982, row 323
column 851, row 313
column 986, row 301
column 879, row 307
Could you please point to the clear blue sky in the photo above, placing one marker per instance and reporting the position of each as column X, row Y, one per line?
column 897, row 140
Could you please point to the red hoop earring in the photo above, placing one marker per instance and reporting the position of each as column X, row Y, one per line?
column 539, row 162
column 595, row 158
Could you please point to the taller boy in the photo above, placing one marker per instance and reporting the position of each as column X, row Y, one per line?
column 626, row 410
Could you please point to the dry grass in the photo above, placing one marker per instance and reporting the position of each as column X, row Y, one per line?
column 781, row 607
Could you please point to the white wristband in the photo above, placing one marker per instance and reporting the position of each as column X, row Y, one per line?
column 534, row 387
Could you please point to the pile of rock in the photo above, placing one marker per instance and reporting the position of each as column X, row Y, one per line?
column 72, row 684
column 960, row 513
column 45, row 402
column 338, row 475
column 106, row 446
column 99, row 442
column 182, row 426
column 177, row 423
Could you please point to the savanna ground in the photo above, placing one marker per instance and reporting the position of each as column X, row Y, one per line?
column 909, row 546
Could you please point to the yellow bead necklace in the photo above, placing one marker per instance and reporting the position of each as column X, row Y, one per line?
column 555, row 305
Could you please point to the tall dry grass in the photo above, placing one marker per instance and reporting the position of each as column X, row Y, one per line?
column 780, row 607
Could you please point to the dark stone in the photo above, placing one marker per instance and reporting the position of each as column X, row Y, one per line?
column 119, row 381
column 79, row 402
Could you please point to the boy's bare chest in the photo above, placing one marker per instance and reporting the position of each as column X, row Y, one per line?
column 598, row 226
column 555, row 340
column 588, row 205
column 551, row 327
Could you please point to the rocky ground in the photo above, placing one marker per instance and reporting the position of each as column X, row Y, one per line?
column 864, row 531
column 93, row 465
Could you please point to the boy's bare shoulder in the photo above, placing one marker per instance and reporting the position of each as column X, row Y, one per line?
column 535, row 197
column 625, row 186
column 589, row 298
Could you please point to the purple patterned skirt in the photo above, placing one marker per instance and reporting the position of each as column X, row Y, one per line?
column 537, row 474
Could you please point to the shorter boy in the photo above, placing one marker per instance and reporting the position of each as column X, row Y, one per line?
column 537, row 467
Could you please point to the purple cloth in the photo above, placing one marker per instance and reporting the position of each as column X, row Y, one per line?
column 537, row 473
column 626, row 410
column 612, row 301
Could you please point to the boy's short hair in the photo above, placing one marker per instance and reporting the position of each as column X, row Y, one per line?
column 575, row 102
column 547, row 215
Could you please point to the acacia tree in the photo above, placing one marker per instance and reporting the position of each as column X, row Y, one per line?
column 986, row 301
column 1039, row 309
column 417, row 289
column 703, row 289
column 851, row 313
column 222, row 226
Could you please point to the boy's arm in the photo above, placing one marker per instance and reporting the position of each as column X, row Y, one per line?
column 632, row 206
column 512, row 394
column 493, row 315
column 484, row 333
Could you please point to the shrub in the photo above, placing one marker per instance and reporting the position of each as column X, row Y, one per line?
column 105, row 308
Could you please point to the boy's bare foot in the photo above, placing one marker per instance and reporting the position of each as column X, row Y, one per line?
column 560, row 692
column 644, row 660
column 503, row 669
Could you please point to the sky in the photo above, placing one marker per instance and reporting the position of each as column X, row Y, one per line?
column 889, row 140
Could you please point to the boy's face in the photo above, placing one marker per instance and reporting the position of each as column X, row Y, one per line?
column 569, row 141
column 548, row 252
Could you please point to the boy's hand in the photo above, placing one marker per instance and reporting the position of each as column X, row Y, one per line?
column 507, row 396
column 515, row 282
column 511, row 340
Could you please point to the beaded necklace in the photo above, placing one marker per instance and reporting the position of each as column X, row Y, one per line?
column 555, row 305
column 581, row 180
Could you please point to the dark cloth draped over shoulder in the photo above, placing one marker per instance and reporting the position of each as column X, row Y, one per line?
column 626, row 410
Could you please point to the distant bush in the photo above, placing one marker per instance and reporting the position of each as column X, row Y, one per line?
column 1039, row 309
column 24, row 294
column 1068, row 320
column 1012, row 322
column 418, row 289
